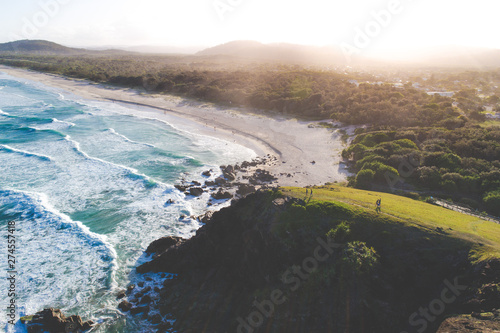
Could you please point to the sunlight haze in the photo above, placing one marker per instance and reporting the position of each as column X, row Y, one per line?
column 412, row 24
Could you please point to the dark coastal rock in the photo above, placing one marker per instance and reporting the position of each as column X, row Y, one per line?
column 146, row 290
column 210, row 183
column 229, row 172
column 205, row 217
column 245, row 189
column 220, row 181
column 53, row 320
column 130, row 288
column 196, row 191
column 195, row 183
column 145, row 299
column 221, row 194
column 155, row 319
column 139, row 309
column 121, row 294
column 228, row 168
column 261, row 176
column 229, row 176
column 207, row 173
column 125, row 306
column 162, row 244
column 181, row 188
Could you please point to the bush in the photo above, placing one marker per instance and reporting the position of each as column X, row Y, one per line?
column 406, row 143
column 383, row 173
column 449, row 186
column 340, row 233
column 364, row 178
column 492, row 202
column 358, row 258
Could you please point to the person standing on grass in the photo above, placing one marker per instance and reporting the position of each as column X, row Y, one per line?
column 379, row 203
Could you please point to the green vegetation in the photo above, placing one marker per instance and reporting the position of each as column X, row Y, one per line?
column 378, row 255
column 482, row 236
column 462, row 163
column 358, row 259
column 286, row 89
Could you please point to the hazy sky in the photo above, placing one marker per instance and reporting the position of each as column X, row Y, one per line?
column 365, row 24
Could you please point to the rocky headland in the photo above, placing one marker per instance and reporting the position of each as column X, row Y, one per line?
column 271, row 263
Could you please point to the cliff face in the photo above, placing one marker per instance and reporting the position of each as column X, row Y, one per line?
column 271, row 263
column 235, row 245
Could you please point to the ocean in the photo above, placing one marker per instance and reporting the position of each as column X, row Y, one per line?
column 84, row 187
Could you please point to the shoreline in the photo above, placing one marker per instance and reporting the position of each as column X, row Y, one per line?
column 307, row 154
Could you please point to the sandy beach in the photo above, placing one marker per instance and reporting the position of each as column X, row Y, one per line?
column 307, row 154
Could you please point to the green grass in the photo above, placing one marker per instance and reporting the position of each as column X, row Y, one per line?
column 484, row 236
column 490, row 123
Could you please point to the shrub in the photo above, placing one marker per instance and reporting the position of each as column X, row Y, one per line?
column 406, row 143
column 383, row 172
column 340, row 233
column 364, row 178
column 492, row 202
column 358, row 258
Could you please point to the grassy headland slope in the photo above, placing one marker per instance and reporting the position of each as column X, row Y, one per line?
column 483, row 235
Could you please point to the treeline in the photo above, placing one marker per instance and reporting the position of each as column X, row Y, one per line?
column 463, row 163
column 487, row 82
column 285, row 89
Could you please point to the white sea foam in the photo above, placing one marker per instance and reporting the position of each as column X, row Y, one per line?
column 113, row 131
column 56, row 124
column 10, row 149
column 69, row 124
column 47, row 241
column 134, row 173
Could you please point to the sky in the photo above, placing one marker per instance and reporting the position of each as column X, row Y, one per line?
column 369, row 25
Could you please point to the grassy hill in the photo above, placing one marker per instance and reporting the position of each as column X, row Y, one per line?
column 37, row 47
column 484, row 236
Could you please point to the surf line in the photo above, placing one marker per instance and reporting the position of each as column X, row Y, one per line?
column 201, row 120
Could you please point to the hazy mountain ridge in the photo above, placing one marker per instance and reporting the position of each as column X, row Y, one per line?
column 278, row 52
column 37, row 46
column 444, row 56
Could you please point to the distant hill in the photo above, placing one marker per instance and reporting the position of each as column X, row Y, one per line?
column 37, row 46
column 293, row 53
column 458, row 56
column 162, row 49
column 447, row 56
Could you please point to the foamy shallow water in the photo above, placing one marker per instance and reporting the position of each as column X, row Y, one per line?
column 86, row 183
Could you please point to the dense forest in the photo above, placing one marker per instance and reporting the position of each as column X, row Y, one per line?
column 287, row 89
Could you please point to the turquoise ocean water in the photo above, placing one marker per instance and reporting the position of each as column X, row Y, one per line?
column 86, row 184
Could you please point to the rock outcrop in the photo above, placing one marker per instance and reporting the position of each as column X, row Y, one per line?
column 162, row 244
column 54, row 321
